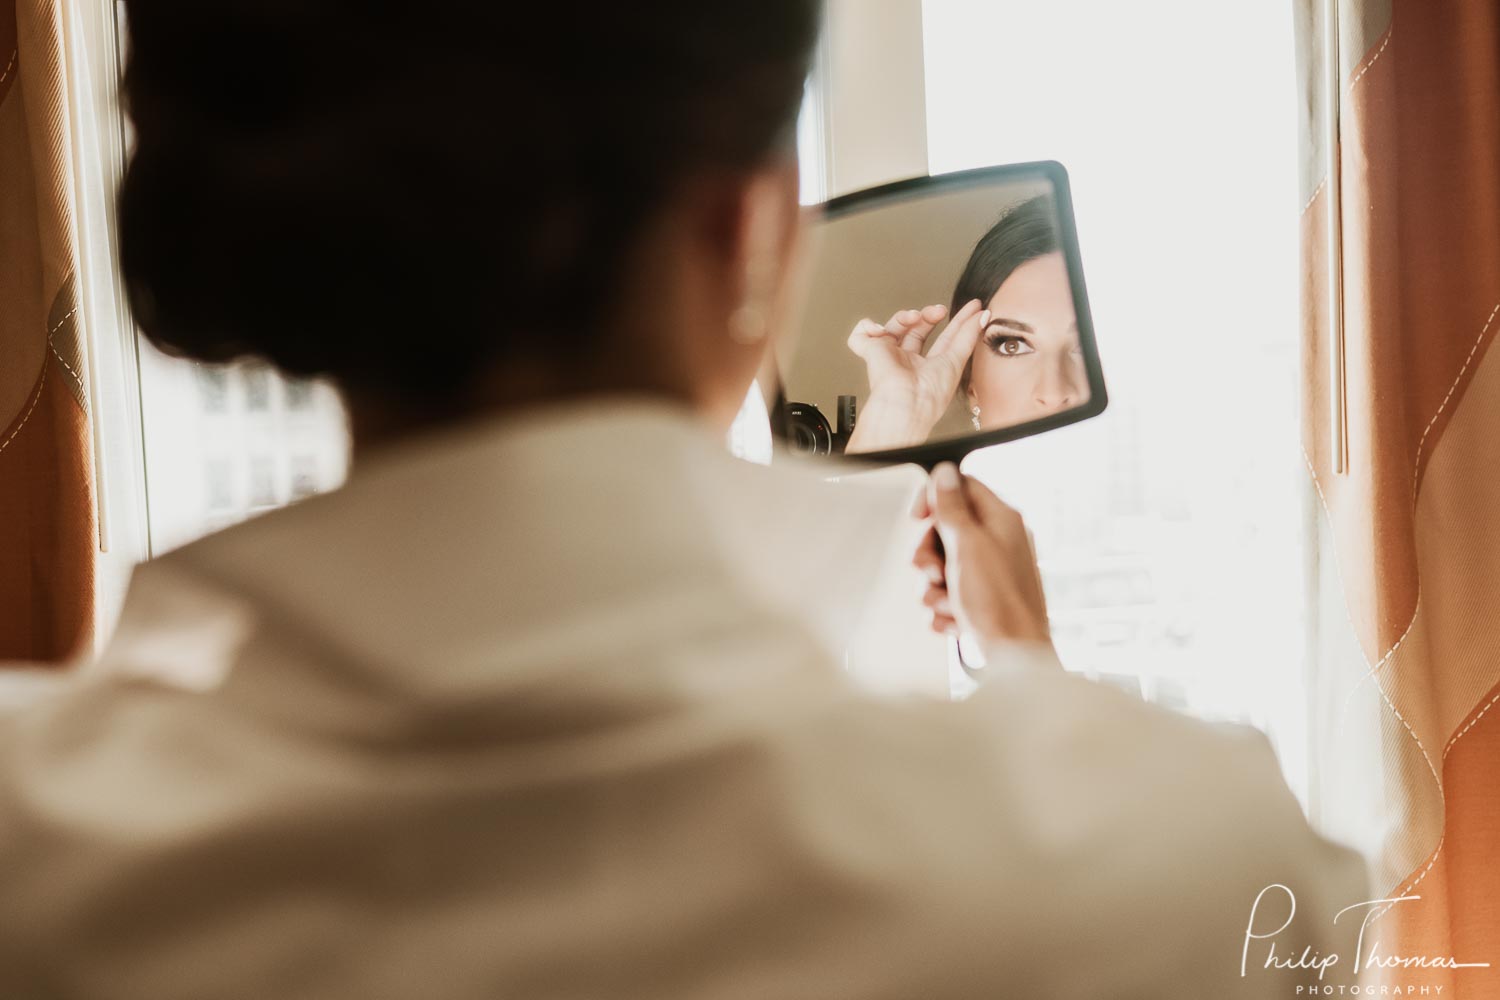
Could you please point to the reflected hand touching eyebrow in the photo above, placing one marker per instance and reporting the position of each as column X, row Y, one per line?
column 910, row 391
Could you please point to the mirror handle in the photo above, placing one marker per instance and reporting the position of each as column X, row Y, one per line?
column 975, row 674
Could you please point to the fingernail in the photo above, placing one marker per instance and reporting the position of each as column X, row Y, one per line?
column 944, row 607
column 935, row 575
column 984, row 318
column 946, row 476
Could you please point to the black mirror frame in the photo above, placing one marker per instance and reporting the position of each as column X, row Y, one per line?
column 954, row 450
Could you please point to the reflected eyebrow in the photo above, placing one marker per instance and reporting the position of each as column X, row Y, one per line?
column 1013, row 324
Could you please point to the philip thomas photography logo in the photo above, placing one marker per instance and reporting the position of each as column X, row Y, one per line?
column 1371, row 964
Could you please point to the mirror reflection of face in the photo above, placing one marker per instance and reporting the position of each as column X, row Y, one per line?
column 1028, row 363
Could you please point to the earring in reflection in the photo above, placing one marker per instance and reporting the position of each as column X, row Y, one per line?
column 975, row 411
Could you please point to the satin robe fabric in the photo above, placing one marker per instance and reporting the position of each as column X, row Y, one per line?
column 553, row 707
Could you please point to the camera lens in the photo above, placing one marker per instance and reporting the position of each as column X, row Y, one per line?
column 807, row 430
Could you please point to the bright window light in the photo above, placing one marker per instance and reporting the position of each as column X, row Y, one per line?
column 1170, row 528
column 226, row 442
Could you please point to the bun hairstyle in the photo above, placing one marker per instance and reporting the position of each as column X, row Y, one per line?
column 398, row 197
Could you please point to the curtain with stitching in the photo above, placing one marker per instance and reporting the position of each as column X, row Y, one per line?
column 48, row 539
column 1401, row 249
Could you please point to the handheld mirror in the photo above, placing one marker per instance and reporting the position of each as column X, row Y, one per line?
column 942, row 315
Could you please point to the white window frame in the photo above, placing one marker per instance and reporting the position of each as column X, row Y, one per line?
column 92, row 57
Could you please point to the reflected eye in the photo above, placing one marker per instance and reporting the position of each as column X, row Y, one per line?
column 1008, row 345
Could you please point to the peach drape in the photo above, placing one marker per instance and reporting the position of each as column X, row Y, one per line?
column 1407, row 565
column 48, row 539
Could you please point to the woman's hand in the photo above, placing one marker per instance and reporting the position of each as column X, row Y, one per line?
column 910, row 392
column 979, row 562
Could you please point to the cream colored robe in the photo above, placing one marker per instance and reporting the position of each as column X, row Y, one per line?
column 552, row 708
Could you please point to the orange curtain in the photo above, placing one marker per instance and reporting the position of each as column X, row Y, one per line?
column 1402, row 211
column 48, row 539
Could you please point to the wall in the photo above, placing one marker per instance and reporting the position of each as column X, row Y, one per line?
column 875, row 94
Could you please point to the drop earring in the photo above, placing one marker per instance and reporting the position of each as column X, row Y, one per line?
column 975, row 411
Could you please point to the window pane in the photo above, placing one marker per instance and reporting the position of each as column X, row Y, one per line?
column 257, row 382
column 811, row 139
column 226, row 441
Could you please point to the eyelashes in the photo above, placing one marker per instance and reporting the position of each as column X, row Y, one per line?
column 1008, row 345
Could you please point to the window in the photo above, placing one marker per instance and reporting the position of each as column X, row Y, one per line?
column 257, row 381
column 217, row 442
column 219, row 486
column 1168, row 529
column 213, row 388
column 299, row 394
column 262, row 481
column 812, row 139
column 305, row 478
column 254, row 442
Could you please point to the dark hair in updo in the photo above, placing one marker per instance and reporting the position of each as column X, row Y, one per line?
column 1024, row 233
column 398, row 196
